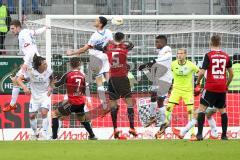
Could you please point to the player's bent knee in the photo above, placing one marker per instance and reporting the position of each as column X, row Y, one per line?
column 210, row 111
column 54, row 114
column 129, row 101
column 153, row 96
column 44, row 111
column 160, row 101
column 81, row 117
column 222, row 110
column 32, row 115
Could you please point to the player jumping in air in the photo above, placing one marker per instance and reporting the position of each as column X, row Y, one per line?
column 162, row 81
column 98, row 60
column 28, row 47
column 40, row 78
column 216, row 63
column 119, row 85
column 75, row 84
column 183, row 71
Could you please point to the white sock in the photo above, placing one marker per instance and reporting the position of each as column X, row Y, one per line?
column 189, row 125
column 153, row 107
column 160, row 115
column 33, row 124
column 59, row 125
column 45, row 124
column 88, row 94
column 101, row 94
column 15, row 93
column 212, row 124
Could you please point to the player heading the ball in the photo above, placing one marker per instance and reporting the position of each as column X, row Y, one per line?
column 99, row 64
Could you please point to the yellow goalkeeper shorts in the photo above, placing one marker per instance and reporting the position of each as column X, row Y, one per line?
column 177, row 95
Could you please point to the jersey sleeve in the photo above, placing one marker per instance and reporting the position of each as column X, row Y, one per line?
column 206, row 62
column 91, row 41
column 109, row 37
column 194, row 67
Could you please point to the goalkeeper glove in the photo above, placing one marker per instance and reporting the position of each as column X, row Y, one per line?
column 146, row 65
column 197, row 89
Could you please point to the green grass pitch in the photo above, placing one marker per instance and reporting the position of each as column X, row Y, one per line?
column 120, row 150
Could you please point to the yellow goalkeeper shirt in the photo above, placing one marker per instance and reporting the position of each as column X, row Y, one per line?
column 183, row 75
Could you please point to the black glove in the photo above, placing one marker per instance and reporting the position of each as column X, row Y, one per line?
column 146, row 65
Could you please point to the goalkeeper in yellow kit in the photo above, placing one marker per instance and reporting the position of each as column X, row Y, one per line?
column 183, row 88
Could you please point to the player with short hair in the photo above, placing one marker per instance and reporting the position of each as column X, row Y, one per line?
column 218, row 65
column 119, row 85
column 40, row 78
column 75, row 85
column 183, row 71
column 98, row 60
column 28, row 47
column 161, row 70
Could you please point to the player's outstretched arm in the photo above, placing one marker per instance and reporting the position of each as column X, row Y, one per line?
column 79, row 51
column 200, row 76
column 147, row 65
column 61, row 81
column 39, row 31
column 20, row 80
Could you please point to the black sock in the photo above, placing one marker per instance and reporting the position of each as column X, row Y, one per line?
column 88, row 127
column 201, row 120
column 131, row 116
column 224, row 118
column 55, row 125
column 114, row 112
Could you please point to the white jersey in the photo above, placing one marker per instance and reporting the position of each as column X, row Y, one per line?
column 27, row 44
column 165, row 59
column 99, row 38
column 39, row 83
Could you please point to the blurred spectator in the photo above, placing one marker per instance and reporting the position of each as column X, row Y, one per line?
column 5, row 20
column 35, row 10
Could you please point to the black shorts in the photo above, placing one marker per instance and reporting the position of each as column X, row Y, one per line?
column 66, row 109
column 213, row 99
column 119, row 87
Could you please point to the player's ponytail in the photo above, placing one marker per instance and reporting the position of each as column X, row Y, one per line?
column 37, row 61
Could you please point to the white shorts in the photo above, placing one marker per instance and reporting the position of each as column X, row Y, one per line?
column 99, row 63
column 35, row 106
column 161, row 87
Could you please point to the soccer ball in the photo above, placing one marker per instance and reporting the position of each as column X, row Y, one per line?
column 117, row 21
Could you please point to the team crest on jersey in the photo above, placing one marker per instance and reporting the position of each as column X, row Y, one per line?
column 26, row 44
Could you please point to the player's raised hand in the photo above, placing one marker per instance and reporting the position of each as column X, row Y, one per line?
column 69, row 52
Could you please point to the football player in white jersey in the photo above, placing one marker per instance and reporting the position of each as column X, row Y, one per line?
column 161, row 76
column 98, row 60
column 28, row 47
column 40, row 78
